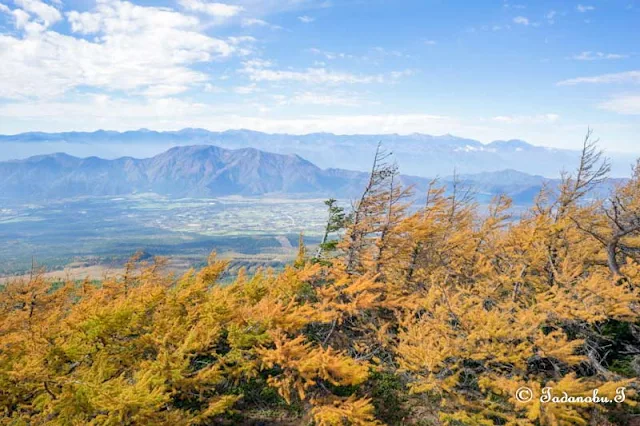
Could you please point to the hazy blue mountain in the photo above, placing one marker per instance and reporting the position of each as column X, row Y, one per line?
column 210, row 171
column 180, row 172
column 417, row 154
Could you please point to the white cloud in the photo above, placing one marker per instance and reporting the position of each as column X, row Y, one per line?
column 324, row 98
column 430, row 42
column 210, row 88
column 48, row 15
column 396, row 75
column 331, row 55
column 631, row 77
column 255, row 22
column 115, row 17
column 246, row 90
column 164, row 90
column 135, row 49
column 306, row 19
column 238, row 40
column 218, row 10
column 393, row 53
column 105, row 112
column 262, row 8
column 582, row 8
column 521, row 20
column 526, row 119
column 551, row 15
column 243, row 45
column 312, row 75
column 104, row 107
column 623, row 104
column 85, row 23
column 258, row 72
column 258, row 63
column 21, row 18
column 593, row 56
column 373, row 55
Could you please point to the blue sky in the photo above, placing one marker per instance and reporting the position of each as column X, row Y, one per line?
column 542, row 71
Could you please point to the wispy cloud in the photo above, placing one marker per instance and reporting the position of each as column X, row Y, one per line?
column 381, row 51
column 430, row 42
column 246, row 90
column 623, row 104
column 584, row 8
column 264, row 72
column 331, row 55
column 257, row 63
column 311, row 76
column 397, row 75
column 595, row 56
column 219, row 10
column 373, row 54
column 210, row 88
column 631, row 77
column 106, row 107
column 306, row 19
column 521, row 20
column 324, row 98
column 551, row 17
column 255, row 22
column 526, row 119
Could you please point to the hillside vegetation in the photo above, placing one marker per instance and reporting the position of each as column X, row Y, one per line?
column 427, row 317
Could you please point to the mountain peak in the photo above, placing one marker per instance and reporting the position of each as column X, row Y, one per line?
column 59, row 157
column 182, row 171
column 511, row 144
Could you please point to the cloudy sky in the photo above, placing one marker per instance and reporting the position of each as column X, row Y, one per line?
column 539, row 70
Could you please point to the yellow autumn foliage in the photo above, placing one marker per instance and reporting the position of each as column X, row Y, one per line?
column 430, row 315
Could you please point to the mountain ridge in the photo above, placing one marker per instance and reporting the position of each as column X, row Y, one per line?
column 417, row 154
column 206, row 171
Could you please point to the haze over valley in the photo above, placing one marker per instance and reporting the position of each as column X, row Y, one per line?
column 417, row 154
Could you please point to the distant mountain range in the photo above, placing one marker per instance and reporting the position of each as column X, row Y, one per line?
column 417, row 154
column 179, row 172
column 210, row 171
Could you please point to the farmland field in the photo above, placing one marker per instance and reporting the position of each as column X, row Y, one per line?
column 107, row 230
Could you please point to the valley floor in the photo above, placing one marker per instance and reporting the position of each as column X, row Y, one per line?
column 93, row 235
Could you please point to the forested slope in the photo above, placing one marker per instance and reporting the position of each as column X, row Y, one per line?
column 431, row 317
